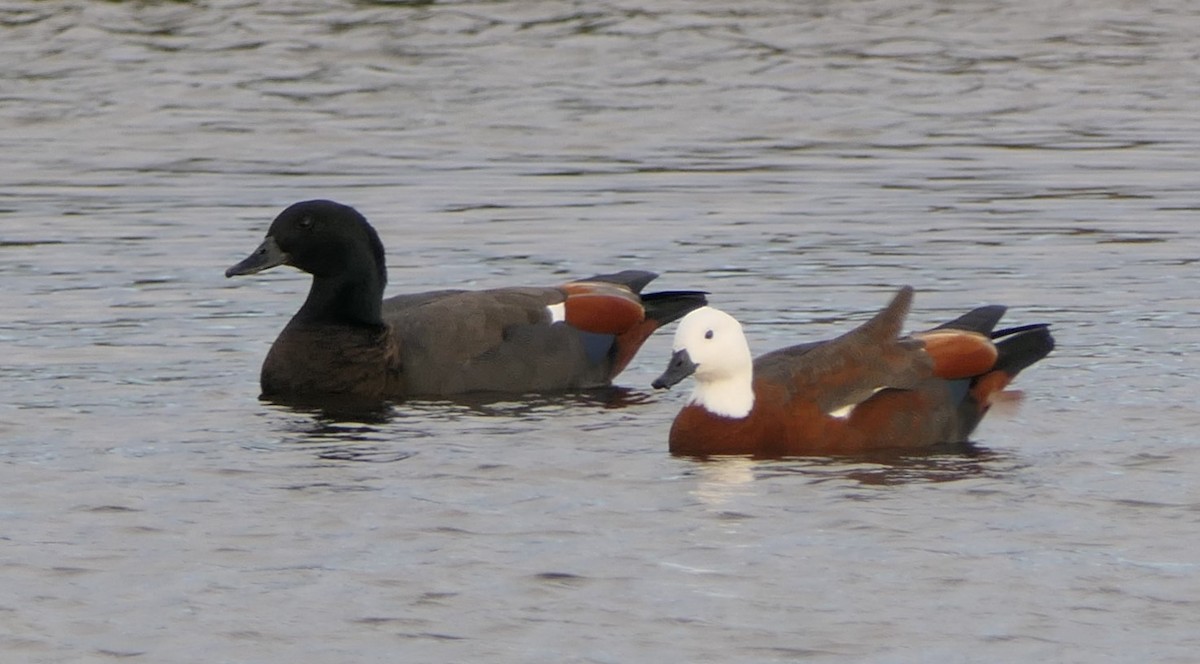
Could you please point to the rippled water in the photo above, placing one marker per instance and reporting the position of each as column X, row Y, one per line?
column 799, row 160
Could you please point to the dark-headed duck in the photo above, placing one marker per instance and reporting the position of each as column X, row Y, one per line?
column 347, row 341
column 868, row 389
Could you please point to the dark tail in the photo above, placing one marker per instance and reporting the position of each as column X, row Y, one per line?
column 981, row 320
column 1020, row 347
column 1017, row 349
column 634, row 280
column 667, row 306
column 661, row 308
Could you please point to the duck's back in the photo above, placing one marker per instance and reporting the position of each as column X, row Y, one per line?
column 499, row 340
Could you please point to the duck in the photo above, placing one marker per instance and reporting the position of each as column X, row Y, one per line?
column 347, row 341
column 868, row 390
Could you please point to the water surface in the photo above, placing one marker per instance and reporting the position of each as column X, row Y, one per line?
column 798, row 160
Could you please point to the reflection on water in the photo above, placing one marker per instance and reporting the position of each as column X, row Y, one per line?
column 354, row 430
column 946, row 463
column 333, row 410
column 613, row 397
column 722, row 475
column 330, row 411
column 723, row 478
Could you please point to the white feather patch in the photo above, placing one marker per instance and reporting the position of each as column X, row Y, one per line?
column 727, row 398
column 844, row 411
column 558, row 312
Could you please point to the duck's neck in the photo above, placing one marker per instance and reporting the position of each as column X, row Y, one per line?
column 729, row 396
column 352, row 298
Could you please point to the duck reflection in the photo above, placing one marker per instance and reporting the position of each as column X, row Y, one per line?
column 724, row 476
column 368, row 430
column 353, row 409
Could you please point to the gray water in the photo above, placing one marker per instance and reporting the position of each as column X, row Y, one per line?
column 797, row 159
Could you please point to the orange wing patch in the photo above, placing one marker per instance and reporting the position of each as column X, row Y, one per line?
column 959, row 353
column 602, row 308
column 990, row 387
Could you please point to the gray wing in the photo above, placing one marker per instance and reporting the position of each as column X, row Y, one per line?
column 491, row 340
column 851, row 368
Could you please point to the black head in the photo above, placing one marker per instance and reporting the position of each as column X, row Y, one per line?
column 335, row 244
column 321, row 237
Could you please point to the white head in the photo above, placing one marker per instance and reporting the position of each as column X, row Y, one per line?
column 710, row 345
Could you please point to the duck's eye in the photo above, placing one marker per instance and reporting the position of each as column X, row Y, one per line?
column 306, row 222
column 708, row 334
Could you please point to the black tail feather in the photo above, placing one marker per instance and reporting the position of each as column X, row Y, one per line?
column 635, row 280
column 1022, row 346
column 1008, row 331
column 981, row 320
column 667, row 306
column 664, row 306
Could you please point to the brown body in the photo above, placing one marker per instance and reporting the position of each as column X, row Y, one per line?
column 869, row 389
column 781, row 425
